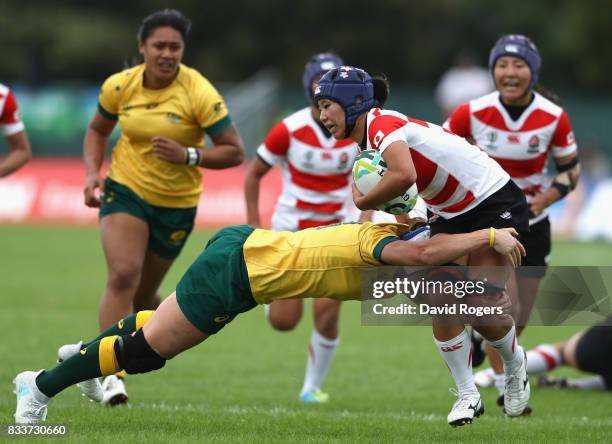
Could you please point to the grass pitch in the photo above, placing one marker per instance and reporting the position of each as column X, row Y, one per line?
column 387, row 384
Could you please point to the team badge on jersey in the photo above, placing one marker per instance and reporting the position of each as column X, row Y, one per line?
column 534, row 144
column 173, row 118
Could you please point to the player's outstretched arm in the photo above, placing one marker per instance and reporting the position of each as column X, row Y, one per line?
column 445, row 248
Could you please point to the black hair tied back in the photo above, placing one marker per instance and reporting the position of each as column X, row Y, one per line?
column 166, row 17
column 381, row 90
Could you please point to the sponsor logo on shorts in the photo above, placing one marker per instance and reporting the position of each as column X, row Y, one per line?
column 83, row 351
column 506, row 215
column 177, row 236
column 220, row 319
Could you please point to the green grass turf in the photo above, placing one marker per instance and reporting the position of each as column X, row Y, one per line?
column 387, row 384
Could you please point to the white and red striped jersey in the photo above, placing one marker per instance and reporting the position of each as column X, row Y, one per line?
column 521, row 147
column 453, row 176
column 316, row 170
column 10, row 122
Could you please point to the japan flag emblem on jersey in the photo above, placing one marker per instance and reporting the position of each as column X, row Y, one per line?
column 378, row 137
column 534, row 144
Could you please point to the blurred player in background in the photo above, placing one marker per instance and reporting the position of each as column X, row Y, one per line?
column 13, row 130
column 519, row 127
column 589, row 351
column 240, row 268
column 149, row 198
column 464, row 81
column 316, row 170
column 463, row 189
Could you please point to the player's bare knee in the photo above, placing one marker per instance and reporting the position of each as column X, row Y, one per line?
column 135, row 355
column 284, row 321
column 123, row 276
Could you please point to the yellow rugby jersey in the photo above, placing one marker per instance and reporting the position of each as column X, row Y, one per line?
column 323, row 262
column 182, row 111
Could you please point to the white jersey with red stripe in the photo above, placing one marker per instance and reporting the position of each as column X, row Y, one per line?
column 453, row 176
column 316, row 170
column 10, row 122
column 521, row 147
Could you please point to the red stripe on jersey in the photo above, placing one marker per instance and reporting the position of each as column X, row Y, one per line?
column 563, row 135
column 417, row 121
column 492, row 117
column 303, row 224
column 330, row 207
column 278, row 139
column 307, row 135
column 343, row 142
column 460, row 121
column 320, row 183
column 9, row 113
column 537, row 119
column 522, row 167
column 445, row 193
column 381, row 127
column 425, row 169
column 550, row 361
column 455, row 208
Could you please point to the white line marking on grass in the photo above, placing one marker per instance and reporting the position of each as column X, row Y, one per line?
column 281, row 411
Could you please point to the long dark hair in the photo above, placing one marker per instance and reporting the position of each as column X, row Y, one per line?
column 166, row 17
column 553, row 97
column 381, row 90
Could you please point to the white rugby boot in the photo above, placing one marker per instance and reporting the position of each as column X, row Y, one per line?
column 31, row 402
column 517, row 390
column 467, row 407
column 90, row 388
column 114, row 391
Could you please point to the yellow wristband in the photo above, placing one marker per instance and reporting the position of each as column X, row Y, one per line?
column 492, row 237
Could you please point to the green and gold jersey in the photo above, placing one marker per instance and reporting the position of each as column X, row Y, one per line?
column 317, row 262
column 182, row 111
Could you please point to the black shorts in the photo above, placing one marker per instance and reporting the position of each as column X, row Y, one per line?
column 537, row 244
column 594, row 351
column 506, row 208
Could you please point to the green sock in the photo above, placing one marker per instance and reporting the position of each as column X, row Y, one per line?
column 87, row 364
column 125, row 326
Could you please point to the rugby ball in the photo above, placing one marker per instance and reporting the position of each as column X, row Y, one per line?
column 368, row 169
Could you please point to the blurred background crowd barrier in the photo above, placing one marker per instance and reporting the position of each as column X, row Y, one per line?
column 254, row 52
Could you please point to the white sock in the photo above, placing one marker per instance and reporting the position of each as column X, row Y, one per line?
column 509, row 350
column 542, row 359
column 500, row 382
column 457, row 353
column 320, row 354
column 591, row 383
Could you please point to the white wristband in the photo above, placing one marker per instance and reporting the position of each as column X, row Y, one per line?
column 193, row 156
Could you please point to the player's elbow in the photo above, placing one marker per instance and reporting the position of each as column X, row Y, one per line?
column 429, row 255
column 237, row 157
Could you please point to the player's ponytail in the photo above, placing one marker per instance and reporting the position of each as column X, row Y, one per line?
column 553, row 97
column 381, row 90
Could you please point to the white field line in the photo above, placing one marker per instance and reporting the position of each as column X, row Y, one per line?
column 411, row 415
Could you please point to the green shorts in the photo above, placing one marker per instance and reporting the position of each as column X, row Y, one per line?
column 169, row 228
column 215, row 289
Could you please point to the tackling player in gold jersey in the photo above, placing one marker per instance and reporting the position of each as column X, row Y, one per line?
column 240, row 268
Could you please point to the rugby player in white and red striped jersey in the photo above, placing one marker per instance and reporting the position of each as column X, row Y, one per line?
column 13, row 129
column 463, row 188
column 520, row 128
column 316, row 171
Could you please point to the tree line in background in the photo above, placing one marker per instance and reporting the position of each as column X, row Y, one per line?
column 410, row 41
